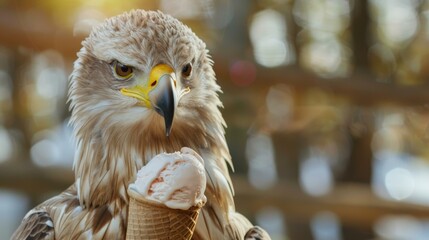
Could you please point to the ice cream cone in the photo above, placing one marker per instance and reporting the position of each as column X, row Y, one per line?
column 152, row 220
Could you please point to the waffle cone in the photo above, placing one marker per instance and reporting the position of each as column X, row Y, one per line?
column 152, row 220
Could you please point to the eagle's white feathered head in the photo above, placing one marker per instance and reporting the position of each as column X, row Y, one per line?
column 143, row 84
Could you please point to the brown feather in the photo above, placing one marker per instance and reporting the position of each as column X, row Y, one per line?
column 36, row 225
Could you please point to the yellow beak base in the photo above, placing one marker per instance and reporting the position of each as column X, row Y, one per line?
column 158, row 93
column 141, row 92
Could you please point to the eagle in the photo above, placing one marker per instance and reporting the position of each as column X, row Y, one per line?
column 143, row 84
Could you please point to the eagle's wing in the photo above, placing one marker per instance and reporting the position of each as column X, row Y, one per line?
column 36, row 225
column 256, row 233
column 240, row 226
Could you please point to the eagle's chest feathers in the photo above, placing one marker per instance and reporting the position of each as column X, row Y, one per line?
column 109, row 163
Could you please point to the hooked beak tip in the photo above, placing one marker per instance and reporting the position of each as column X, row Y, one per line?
column 167, row 132
column 168, row 120
column 166, row 101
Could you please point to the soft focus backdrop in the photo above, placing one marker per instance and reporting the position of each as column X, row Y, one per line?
column 326, row 105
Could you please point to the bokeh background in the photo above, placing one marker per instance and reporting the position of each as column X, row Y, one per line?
column 326, row 105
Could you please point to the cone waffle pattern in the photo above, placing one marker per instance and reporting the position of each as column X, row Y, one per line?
column 151, row 220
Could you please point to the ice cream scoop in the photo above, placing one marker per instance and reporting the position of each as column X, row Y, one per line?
column 177, row 180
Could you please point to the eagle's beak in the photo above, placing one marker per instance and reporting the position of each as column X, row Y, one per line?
column 164, row 100
column 158, row 92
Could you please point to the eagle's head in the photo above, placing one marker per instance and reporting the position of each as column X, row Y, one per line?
column 143, row 84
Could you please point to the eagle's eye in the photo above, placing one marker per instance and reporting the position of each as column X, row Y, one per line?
column 122, row 71
column 187, row 70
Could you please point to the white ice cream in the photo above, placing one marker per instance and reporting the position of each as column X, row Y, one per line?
column 177, row 180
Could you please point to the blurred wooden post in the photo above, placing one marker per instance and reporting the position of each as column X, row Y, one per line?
column 287, row 146
column 361, row 130
column 359, row 167
column 287, row 152
column 360, row 20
